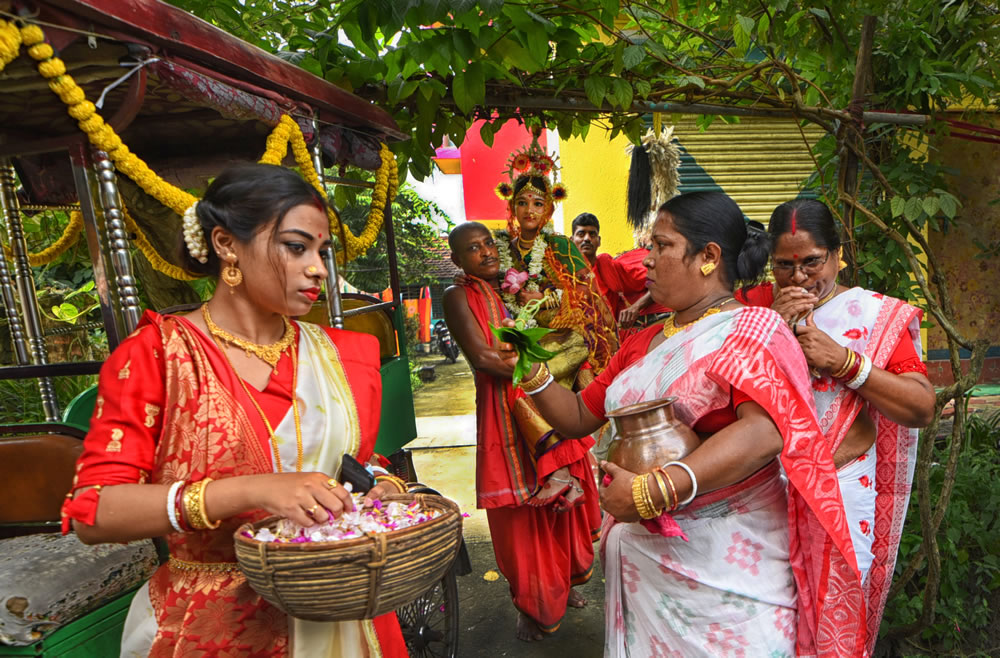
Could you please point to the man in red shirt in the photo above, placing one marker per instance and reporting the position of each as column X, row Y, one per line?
column 621, row 280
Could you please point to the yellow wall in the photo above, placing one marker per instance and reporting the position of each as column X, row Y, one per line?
column 596, row 173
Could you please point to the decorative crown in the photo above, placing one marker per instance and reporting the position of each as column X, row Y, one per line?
column 532, row 161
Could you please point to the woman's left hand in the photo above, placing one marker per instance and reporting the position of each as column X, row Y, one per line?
column 821, row 351
column 616, row 497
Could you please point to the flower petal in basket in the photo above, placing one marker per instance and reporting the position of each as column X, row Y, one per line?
column 359, row 578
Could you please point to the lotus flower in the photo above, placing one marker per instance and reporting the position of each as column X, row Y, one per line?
column 513, row 281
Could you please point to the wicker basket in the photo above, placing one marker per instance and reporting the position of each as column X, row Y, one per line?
column 354, row 578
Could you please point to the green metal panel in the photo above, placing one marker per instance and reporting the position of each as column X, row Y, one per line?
column 398, row 424
column 97, row 634
column 760, row 163
column 81, row 408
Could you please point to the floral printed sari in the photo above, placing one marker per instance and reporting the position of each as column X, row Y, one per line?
column 766, row 572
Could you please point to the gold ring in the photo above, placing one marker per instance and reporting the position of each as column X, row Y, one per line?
column 332, row 483
column 312, row 510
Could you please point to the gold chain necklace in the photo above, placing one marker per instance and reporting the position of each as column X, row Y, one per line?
column 670, row 329
column 270, row 354
column 826, row 298
column 263, row 417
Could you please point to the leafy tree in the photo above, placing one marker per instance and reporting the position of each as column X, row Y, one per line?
column 874, row 74
column 417, row 225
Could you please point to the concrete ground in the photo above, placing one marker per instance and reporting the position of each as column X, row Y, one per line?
column 444, row 456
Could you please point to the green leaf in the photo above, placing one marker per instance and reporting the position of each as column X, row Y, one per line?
column 897, row 204
column 930, row 205
column 913, row 209
column 949, row 205
column 596, row 88
column 643, row 88
column 515, row 55
column 742, row 30
column 763, row 25
column 487, row 132
column 622, row 93
column 633, row 56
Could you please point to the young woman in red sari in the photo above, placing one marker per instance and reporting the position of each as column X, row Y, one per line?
column 767, row 568
column 868, row 380
column 231, row 414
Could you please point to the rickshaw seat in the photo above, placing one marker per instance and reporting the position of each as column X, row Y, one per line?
column 36, row 472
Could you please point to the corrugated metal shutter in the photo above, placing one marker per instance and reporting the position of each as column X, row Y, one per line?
column 760, row 163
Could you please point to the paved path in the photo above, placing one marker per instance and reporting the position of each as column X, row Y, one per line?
column 444, row 456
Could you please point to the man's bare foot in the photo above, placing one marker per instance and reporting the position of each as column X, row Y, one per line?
column 527, row 629
column 557, row 484
column 576, row 599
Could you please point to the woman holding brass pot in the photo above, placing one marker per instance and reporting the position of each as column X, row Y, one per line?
column 711, row 552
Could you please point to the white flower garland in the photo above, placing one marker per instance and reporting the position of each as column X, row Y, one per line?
column 194, row 236
column 535, row 265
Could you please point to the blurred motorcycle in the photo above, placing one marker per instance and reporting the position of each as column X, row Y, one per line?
column 445, row 344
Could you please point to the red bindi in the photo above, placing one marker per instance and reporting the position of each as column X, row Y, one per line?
column 320, row 236
column 795, row 256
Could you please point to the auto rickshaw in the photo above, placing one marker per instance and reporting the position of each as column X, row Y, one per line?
column 187, row 98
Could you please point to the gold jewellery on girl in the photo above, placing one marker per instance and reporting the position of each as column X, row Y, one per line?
column 270, row 354
column 295, row 379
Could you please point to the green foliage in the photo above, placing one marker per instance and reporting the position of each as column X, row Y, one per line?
column 968, row 541
column 23, row 402
column 417, row 223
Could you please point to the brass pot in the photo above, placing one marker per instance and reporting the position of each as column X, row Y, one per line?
column 649, row 435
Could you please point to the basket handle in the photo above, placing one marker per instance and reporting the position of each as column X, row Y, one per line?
column 375, row 570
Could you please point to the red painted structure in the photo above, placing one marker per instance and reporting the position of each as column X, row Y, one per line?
column 483, row 168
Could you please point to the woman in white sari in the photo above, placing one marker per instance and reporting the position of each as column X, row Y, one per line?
column 725, row 561
column 868, row 381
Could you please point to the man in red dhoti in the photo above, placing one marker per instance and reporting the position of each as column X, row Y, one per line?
column 541, row 550
column 622, row 280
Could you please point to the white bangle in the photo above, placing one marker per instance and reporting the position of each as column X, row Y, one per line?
column 862, row 376
column 171, row 508
column 545, row 385
column 694, row 481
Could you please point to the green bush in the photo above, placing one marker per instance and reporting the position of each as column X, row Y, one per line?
column 969, row 544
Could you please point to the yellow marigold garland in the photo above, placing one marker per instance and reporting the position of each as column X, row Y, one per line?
column 286, row 133
column 103, row 137
column 159, row 263
column 70, row 234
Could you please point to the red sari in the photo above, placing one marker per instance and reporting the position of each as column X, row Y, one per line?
column 541, row 552
column 170, row 408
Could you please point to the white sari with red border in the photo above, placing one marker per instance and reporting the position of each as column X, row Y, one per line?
column 876, row 485
column 765, row 571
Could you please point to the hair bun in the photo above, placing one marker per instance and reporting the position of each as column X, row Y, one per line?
column 752, row 261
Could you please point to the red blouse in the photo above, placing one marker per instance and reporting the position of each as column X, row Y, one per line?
column 634, row 348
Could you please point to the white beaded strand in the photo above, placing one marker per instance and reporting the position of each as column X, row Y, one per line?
column 194, row 236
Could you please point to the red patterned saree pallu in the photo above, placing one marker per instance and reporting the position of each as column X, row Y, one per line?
column 768, row 571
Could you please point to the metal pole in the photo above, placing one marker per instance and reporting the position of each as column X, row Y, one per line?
column 114, row 222
column 334, row 306
column 85, row 181
column 25, row 282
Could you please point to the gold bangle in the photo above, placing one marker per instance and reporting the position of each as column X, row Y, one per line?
column 641, row 497
column 536, row 381
column 201, row 507
column 649, row 496
column 848, row 364
column 663, row 490
column 194, row 505
column 396, row 482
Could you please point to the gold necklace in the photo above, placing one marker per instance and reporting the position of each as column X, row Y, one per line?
column 670, row 329
column 270, row 354
column 826, row 298
column 263, row 417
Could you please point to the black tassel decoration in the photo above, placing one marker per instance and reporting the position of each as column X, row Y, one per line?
column 639, row 188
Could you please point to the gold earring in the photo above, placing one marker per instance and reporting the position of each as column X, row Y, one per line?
column 843, row 263
column 707, row 268
column 232, row 275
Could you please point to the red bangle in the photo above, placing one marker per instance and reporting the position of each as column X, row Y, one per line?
column 179, row 507
column 855, row 369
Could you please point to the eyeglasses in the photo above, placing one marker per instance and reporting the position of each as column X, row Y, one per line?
column 809, row 266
